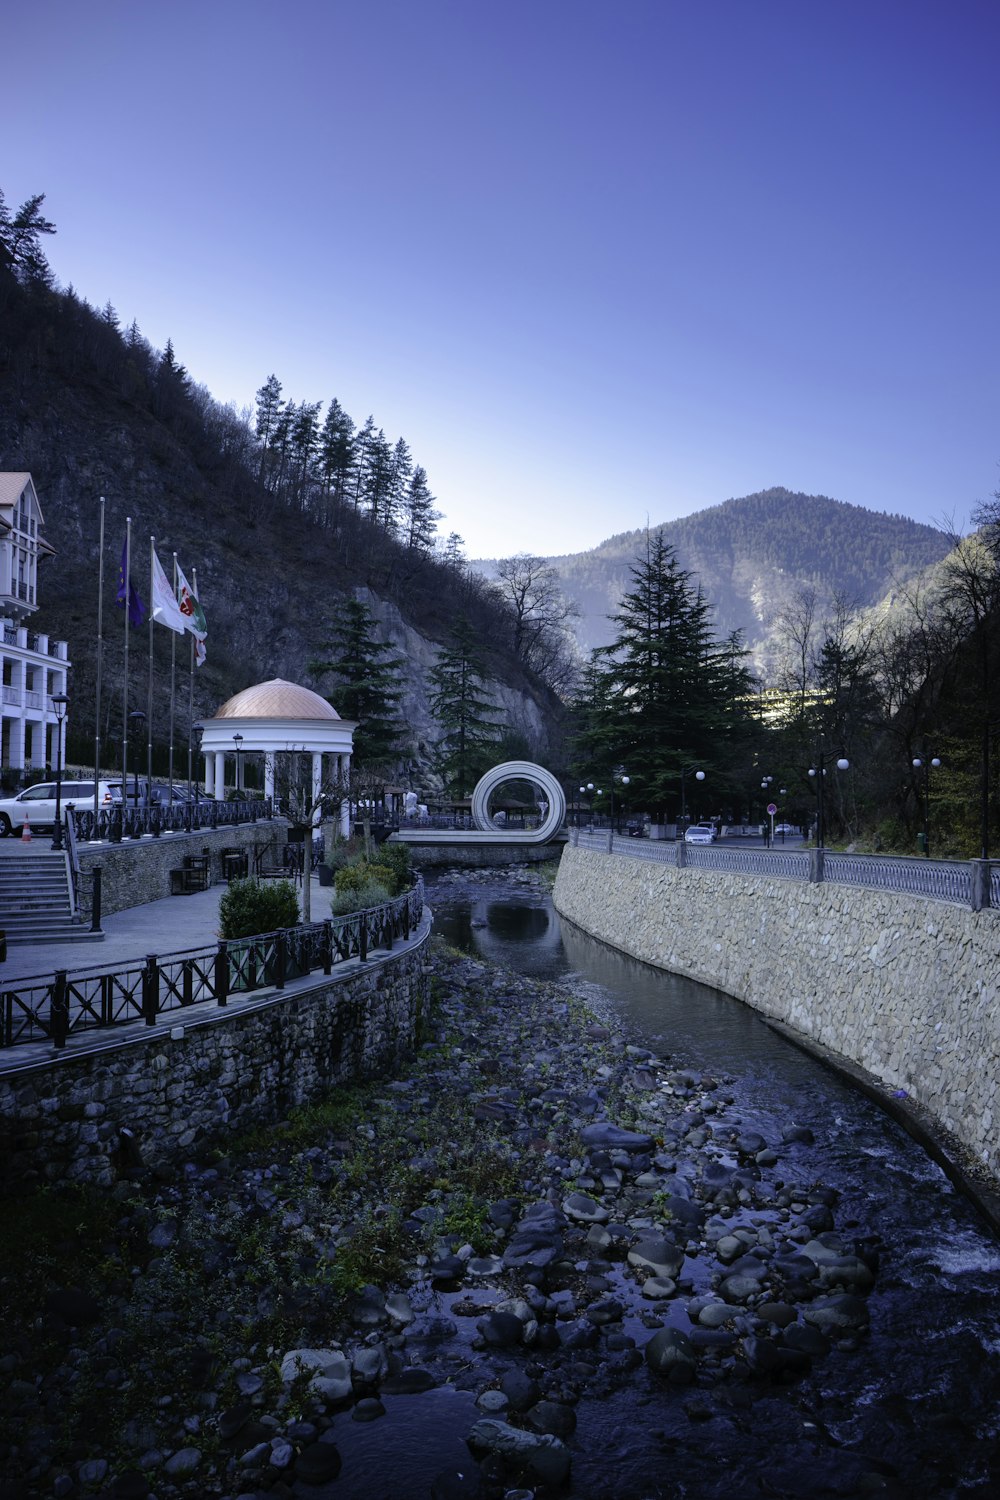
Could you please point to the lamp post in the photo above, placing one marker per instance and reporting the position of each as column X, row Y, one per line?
column 698, row 776
column 765, row 784
column 819, row 772
column 60, row 703
column 618, row 774
column 588, row 792
column 238, row 741
column 137, row 718
column 195, row 733
column 924, row 763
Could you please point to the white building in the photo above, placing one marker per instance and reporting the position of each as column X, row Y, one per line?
column 34, row 667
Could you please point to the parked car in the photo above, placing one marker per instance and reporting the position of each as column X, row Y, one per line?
column 784, row 828
column 160, row 794
column 37, row 803
column 700, row 833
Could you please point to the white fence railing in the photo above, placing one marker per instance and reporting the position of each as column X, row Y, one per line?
column 974, row 883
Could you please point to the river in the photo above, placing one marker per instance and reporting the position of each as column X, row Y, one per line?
column 920, row 1396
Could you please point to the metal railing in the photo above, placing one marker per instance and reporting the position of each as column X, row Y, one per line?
column 55, row 1007
column 121, row 821
column 974, row 883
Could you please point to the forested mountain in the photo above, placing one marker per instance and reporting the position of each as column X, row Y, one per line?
column 282, row 515
column 752, row 555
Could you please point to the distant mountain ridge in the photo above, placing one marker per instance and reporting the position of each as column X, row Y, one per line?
column 751, row 555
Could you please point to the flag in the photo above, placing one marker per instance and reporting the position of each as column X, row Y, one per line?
column 126, row 588
column 166, row 610
column 189, row 607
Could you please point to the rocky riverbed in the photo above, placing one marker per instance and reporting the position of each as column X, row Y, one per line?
column 540, row 1262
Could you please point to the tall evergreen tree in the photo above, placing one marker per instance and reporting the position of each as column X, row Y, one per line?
column 670, row 684
column 419, row 513
column 368, row 689
column 464, row 709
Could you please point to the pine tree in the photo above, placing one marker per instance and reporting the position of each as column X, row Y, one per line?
column 336, row 453
column 419, row 513
column 368, row 690
column 673, row 693
column 464, row 710
column 269, row 406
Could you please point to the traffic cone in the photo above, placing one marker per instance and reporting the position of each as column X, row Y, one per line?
column 26, row 831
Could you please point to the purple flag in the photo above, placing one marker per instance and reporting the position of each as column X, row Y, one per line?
column 136, row 608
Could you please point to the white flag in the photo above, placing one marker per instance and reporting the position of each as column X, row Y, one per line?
column 166, row 610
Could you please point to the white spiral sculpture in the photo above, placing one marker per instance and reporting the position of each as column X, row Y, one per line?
column 520, row 770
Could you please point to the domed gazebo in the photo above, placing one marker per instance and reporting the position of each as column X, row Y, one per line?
column 276, row 718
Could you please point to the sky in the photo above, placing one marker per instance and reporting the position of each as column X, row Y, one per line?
column 600, row 265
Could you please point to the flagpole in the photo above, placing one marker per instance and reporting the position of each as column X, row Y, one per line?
column 149, row 690
column 128, row 589
column 173, row 682
column 194, row 585
column 100, row 655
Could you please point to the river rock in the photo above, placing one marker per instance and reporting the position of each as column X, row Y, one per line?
column 546, row 1457
column 671, row 1354
column 604, row 1135
column 653, row 1253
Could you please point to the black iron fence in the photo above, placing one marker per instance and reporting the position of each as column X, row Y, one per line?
column 124, row 821
column 54, row 1007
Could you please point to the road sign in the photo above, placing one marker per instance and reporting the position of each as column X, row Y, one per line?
column 772, row 808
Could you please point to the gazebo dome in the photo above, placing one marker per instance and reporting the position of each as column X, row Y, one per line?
column 276, row 699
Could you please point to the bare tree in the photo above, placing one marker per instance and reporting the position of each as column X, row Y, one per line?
column 542, row 617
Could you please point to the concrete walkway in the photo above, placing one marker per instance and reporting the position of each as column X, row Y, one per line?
column 175, row 924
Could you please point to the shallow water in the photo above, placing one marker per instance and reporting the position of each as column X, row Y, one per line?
column 915, row 1409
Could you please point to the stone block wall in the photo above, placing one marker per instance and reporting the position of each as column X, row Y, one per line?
column 62, row 1120
column 904, row 986
column 138, row 870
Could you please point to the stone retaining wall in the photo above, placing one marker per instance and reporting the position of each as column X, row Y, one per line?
column 903, row 986
column 160, row 1092
column 138, row 870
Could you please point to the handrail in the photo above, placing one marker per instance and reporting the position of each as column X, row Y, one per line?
column 69, row 841
column 53, row 1007
column 974, row 883
column 124, row 821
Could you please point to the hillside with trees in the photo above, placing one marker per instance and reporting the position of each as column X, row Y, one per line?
column 284, row 514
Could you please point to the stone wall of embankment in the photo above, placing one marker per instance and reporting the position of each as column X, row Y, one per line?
column 905, row 987
column 156, row 1093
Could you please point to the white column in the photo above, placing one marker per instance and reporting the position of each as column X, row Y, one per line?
column 220, row 776
column 209, row 776
column 269, row 773
column 344, row 771
column 317, row 783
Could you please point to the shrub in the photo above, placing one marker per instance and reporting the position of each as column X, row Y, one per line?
column 363, row 873
column 248, row 907
column 396, row 857
column 358, row 897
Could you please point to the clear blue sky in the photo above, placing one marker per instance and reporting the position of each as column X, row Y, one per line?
column 596, row 263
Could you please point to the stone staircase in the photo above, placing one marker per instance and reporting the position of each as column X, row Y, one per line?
column 36, row 895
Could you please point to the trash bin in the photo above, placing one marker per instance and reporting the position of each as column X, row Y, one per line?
column 922, row 842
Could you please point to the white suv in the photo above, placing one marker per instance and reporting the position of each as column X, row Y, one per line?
column 36, row 805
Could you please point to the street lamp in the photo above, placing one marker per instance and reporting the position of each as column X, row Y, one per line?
column 923, row 763
column 238, row 739
column 618, row 774
column 819, row 772
column 136, row 718
column 588, row 792
column 765, row 784
column 60, row 703
column 698, row 776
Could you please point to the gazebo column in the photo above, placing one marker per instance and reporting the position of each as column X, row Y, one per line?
column 343, row 776
column 269, row 773
column 317, row 786
column 209, row 775
column 220, row 776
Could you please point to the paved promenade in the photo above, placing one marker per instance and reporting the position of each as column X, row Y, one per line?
column 172, row 925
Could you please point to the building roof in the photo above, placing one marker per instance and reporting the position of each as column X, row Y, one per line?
column 276, row 699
